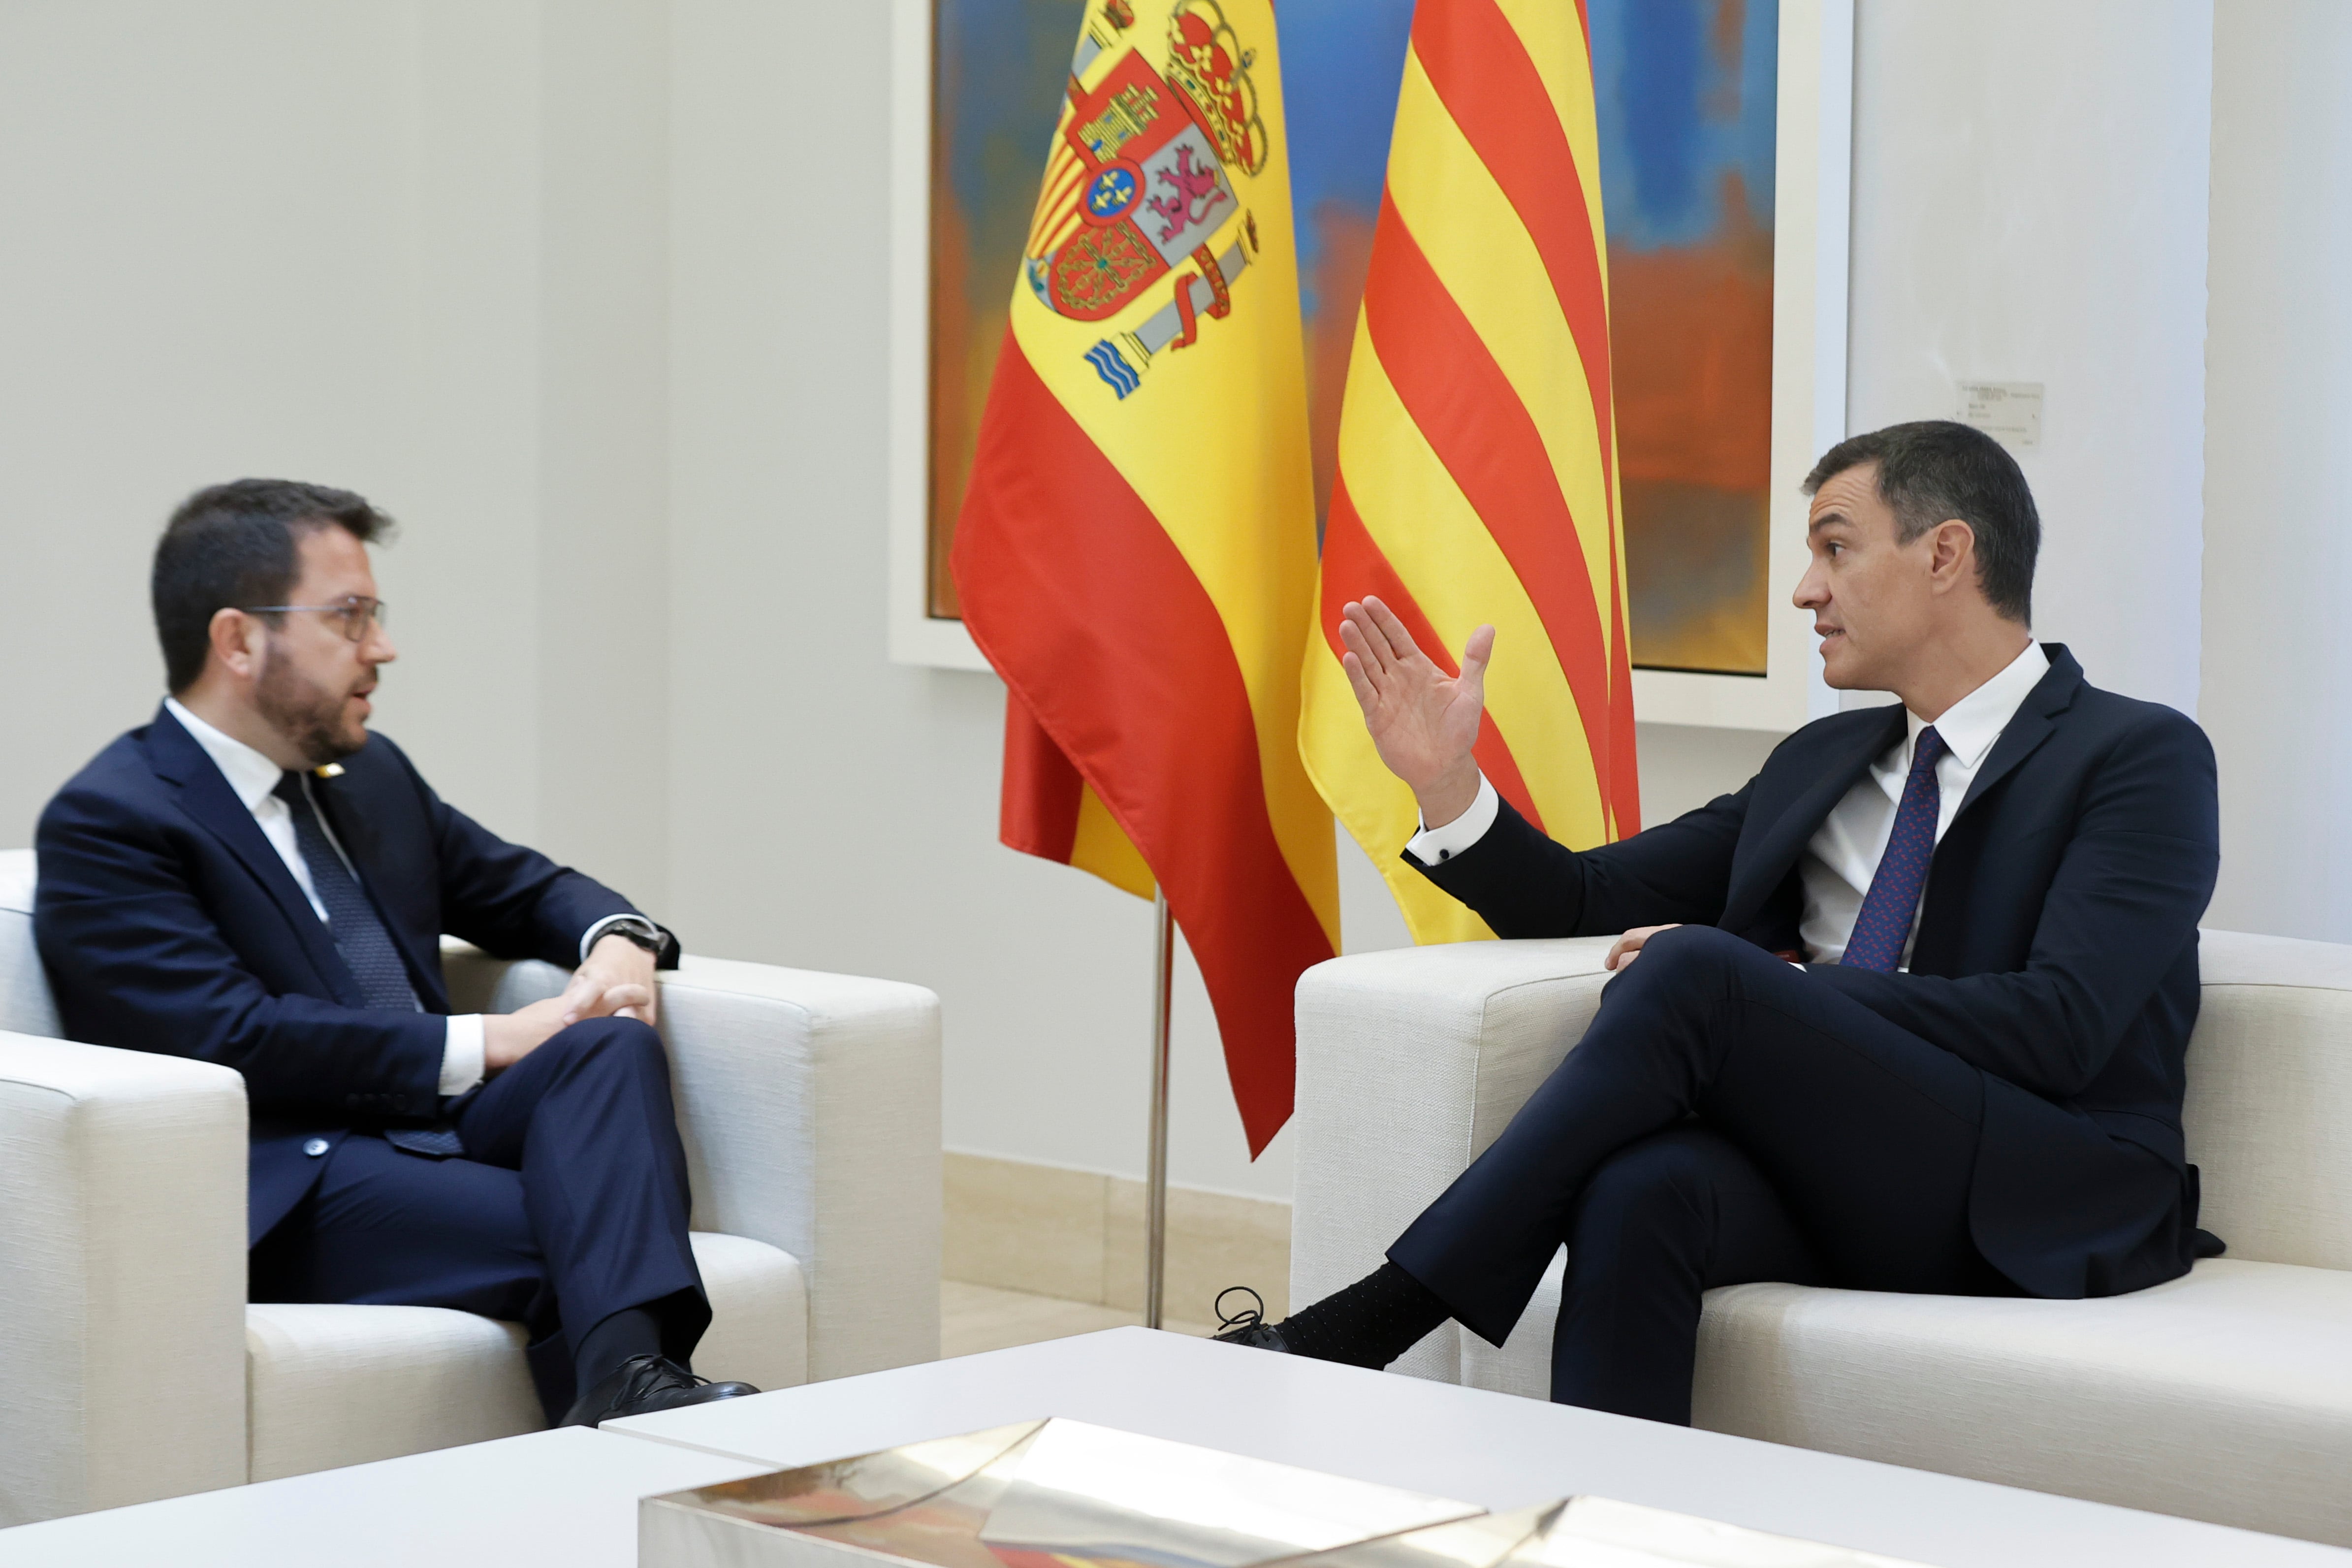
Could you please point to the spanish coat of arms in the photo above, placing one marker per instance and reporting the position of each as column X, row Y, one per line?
column 1140, row 184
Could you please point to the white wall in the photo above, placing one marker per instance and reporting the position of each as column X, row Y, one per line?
column 2029, row 193
column 2278, row 453
column 413, row 246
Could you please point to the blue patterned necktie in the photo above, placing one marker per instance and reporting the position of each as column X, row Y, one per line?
column 1885, row 922
column 358, row 931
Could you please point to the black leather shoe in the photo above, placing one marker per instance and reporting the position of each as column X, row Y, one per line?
column 1248, row 1326
column 644, row 1383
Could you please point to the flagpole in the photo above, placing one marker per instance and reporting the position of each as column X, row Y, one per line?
column 1155, row 1197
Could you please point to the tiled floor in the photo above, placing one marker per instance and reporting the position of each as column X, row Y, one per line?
column 974, row 1318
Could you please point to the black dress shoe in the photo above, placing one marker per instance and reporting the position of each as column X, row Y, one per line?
column 1248, row 1326
column 644, row 1383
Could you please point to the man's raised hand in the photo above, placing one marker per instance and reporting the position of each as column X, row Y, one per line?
column 1423, row 721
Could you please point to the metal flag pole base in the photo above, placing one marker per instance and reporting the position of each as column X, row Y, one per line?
column 1155, row 1197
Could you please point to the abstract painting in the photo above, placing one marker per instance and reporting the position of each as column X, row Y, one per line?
column 1686, row 94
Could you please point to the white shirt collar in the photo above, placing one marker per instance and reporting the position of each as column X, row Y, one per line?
column 1970, row 726
column 249, row 773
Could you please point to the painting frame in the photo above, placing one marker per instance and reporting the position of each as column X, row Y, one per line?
column 916, row 636
column 1812, row 199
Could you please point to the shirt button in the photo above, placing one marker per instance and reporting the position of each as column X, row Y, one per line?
column 315, row 1147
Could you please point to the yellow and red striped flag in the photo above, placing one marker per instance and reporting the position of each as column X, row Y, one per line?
column 1136, row 552
column 1478, row 458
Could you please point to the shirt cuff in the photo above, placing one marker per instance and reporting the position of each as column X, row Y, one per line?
column 461, row 1054
column 608, row 922
column 1432, row 845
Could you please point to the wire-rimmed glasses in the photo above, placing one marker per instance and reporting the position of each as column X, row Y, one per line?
column 358, row 613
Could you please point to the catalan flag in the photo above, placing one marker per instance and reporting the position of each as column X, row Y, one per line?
column 1136, row 552
column 1477, row 478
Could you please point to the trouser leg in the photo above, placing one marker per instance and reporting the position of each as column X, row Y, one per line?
column 386, row 1228
column 1663, row 1220
column 1866, row 1132
column 586, row 1122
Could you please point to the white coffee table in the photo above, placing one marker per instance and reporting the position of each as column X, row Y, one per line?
column 571, row 1497
column 1491, row 1449
column 567, row 1497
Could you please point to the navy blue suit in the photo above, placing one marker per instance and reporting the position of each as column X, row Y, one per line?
column 166, row 922
column 2004, row 1117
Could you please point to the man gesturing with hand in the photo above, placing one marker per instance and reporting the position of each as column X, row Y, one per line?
column 1911, row 1008
column 253, row 879
column 1423, row 722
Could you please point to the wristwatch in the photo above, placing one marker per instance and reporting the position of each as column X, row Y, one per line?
column 644, row 934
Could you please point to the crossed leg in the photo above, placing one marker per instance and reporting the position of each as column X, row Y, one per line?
column 569, row 1208
column 1726, row 1118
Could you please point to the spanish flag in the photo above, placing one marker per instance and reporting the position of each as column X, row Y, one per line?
column 1136, row 552
column 1477, row 460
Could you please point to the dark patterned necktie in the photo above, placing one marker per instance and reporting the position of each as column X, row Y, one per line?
column 1885, row 922
column 352, row 920
column 359, row 936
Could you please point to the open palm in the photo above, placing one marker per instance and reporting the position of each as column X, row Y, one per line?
column 1423, row 721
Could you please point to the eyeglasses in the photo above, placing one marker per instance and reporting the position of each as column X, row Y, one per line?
column 358, row 613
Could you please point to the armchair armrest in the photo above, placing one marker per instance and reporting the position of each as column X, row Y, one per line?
column 121, row 1277
column 810, row 1107
column 1410, row 1063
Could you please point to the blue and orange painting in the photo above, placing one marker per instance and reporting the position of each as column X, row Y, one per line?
column 1685, row 93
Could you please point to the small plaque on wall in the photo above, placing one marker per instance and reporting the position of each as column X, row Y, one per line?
column 2008, row 410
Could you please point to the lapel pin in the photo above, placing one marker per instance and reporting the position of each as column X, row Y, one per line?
column 331, row 770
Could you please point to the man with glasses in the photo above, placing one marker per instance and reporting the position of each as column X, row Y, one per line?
column 253, row 879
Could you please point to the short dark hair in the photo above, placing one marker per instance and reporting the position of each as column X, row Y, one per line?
column 231, row 545
column 1935, row 469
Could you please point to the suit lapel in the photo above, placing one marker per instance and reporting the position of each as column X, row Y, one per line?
column 207, row 799
column 2032, row 724
column 1755, row 876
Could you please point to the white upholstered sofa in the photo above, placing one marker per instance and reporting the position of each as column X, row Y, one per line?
column 2225, row 1395
column 134, row 1369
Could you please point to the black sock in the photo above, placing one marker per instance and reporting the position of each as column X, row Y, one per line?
column 631, row 1332
column 1369, row 1323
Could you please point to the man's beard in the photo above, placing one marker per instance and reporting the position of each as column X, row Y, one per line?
column 312, row 719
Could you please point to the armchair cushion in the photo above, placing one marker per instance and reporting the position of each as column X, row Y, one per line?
column 334, row 1386
column 2226, row 1396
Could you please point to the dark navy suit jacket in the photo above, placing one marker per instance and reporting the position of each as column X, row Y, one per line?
column 167, row 923
column 2057, row 948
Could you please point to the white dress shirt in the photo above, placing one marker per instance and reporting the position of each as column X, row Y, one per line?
column 252, row 777
column 1843, row 854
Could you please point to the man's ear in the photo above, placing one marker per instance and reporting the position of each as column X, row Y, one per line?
column 1952, row 556
column 236, row 639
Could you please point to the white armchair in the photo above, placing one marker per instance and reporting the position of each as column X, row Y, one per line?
column 135, row 1369
column 2225, row 1395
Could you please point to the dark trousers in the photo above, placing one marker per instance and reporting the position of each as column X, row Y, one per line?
column 569, row 1205
column 1725, row 1119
